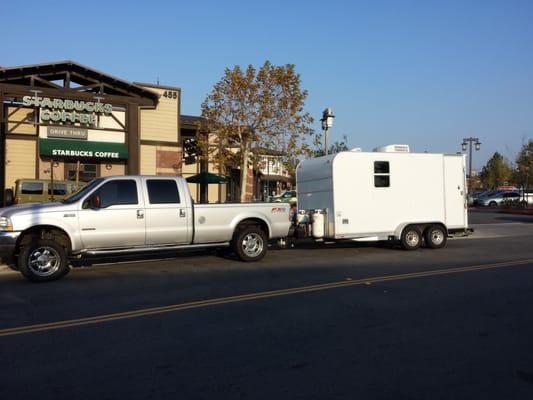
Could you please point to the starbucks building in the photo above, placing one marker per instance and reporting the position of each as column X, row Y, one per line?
column 73, row 122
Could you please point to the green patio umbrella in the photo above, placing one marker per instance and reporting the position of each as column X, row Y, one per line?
column 206, row 178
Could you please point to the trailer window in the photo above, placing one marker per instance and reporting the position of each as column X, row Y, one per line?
column 381, row 174
column 381, row 167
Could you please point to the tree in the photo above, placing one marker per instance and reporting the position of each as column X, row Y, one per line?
column 496, row 172
column 524, row 164
column 256, row 109
column 336, row 147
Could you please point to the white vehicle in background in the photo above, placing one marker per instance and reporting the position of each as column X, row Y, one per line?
column 387, row 194
column 132, row 215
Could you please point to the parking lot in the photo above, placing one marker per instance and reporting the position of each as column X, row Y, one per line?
column 316, row 321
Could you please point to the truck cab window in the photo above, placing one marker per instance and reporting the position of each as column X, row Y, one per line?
column 162, row 191
column 118, row 192
column 381, row 174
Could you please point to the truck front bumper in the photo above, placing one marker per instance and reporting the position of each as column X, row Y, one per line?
column 8, row 242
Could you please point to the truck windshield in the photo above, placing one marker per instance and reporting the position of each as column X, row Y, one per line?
column 74, row 197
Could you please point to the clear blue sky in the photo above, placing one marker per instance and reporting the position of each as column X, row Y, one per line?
column 425, row 73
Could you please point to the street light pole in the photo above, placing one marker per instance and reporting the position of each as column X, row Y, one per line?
column 327, row 122
column 468, row 142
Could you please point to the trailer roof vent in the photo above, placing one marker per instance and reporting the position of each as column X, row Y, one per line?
column 393, row 148
column 357, row 149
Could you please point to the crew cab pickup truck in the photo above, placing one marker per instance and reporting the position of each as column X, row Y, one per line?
column 129, row 215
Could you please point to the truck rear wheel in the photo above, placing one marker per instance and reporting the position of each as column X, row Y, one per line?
column 250, row 243
column 411, row 238
column 435, row 237
column 43, row 260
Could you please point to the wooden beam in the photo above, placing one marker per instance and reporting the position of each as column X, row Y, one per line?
column 134, row 146
column 45, row 82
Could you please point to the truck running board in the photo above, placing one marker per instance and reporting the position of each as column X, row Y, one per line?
column 99, row 252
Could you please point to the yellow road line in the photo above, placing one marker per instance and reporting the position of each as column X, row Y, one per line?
column 249, row 297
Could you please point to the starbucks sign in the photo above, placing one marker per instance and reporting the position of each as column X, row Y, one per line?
column 66, row 110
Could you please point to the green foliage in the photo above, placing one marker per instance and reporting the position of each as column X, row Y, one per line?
column 496, row 172
column 256, row 109
column 336, row 147
column 524, row 165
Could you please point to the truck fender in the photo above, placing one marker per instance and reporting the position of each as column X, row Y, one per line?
column 260, row 217
column 75, row 240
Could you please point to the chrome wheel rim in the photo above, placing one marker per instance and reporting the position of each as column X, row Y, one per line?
column 44, row 261
column 437, row 237
column 252, row 244
column 412, row 238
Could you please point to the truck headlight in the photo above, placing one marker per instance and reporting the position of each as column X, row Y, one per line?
column 5, row 224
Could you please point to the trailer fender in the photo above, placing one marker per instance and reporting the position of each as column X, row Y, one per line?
column 422, row 225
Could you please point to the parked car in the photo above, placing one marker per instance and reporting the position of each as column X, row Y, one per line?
column 477, row 199
column 40, row 190
column 286, row 197
column 498, row 198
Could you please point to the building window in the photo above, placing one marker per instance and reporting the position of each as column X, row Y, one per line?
column 87, row 172
column 162, row 191
column 381, row 174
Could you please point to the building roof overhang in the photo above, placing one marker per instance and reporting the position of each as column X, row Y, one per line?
column 69, row 75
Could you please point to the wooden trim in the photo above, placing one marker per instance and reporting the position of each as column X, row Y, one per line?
column 156, row 86
column 178, row 125
column 38, row 160
column 134, row 146
column 160, row 143
column 21, row 136
column 2, row 151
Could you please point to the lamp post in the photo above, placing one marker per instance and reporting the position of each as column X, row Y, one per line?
column 468, row 142
column 327, row 122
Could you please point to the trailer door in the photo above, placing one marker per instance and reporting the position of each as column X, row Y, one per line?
column 455, row 191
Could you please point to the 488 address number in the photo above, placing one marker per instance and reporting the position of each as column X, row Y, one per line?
column 170, row 94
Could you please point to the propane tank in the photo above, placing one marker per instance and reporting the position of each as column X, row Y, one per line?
column 318, row 224
column 302, row 217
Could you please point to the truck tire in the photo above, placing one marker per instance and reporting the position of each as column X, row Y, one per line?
column 250, row 243
column 43, row 260
column 411, row 238
column 435, row 237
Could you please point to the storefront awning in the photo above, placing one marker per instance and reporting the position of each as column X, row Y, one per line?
column 78, row 149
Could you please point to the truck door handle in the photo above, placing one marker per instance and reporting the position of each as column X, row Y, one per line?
column 140, row 214
column 182, row 213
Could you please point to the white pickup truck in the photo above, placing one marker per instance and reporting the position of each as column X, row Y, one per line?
column 130, row 215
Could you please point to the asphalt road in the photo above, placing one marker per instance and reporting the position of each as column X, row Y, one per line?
column 321, row 322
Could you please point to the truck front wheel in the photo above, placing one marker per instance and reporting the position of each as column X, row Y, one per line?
column 250, row 244
column 43, row 260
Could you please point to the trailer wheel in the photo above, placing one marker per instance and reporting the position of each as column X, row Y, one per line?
column 43, row 260
column 411, row 238
column 435, row 237
column 250, row 243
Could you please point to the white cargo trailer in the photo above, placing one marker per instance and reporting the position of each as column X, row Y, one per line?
column 387, row 194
